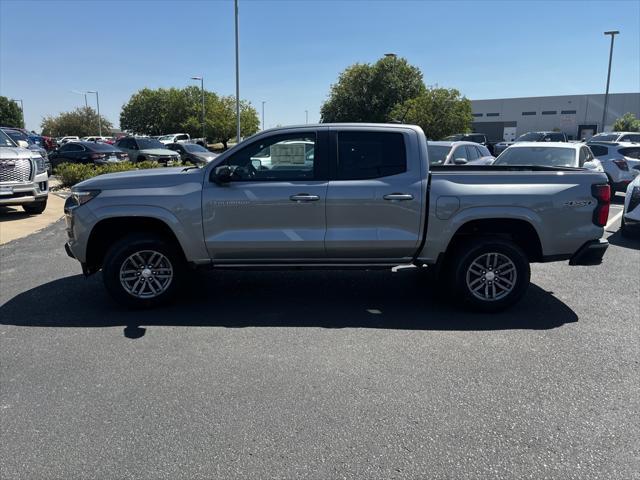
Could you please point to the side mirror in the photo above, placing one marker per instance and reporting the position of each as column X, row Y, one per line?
column 222, row 175
column 460, row 161
column 23, row 143
column 257, row 164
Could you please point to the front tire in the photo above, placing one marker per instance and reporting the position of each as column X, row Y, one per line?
column 143, row 271
column 35, row 208
column 490, row 274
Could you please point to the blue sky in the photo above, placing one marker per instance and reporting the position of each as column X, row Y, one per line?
column 291, row 51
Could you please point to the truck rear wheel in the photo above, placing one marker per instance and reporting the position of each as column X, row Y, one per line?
column 490, row 274
column 143, row 271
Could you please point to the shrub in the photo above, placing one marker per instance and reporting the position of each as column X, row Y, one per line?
column 71, row 173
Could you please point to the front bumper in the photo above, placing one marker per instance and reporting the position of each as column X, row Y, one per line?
column 28, row 192
column 590, row 253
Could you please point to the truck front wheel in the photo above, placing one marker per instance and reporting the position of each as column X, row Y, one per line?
column 143, row 271
column 490, row 274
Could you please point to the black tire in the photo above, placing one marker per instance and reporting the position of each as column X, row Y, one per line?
column 140, row 159
column 119, row 256
column 624, row 230
column 35, row 208
column 464, row 274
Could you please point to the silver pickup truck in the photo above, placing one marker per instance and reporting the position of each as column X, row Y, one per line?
column 336, row 196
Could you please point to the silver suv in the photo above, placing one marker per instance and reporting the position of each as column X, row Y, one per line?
column 23, row 177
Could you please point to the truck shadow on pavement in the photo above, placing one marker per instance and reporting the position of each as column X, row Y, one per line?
column 327, row 299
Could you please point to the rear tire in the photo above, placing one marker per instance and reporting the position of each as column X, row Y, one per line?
column 624, row 230
column 489, row 274
column 143, row 271
column 35, row 208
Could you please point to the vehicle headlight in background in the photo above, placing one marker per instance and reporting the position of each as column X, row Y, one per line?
column 152, row 157
column 79, row 197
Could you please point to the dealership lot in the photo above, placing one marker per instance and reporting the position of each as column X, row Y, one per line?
column 318, row 375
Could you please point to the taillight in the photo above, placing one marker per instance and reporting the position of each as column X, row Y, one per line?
column 602, row 193
column 621, row 164
column 97, row 156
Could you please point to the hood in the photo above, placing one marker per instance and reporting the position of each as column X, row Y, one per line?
column 149, row 178
column 17, row 152
column 206, row 157
column 161, row 152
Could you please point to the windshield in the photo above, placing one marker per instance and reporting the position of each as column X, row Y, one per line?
column 16, row 135
column 438, row 154
column 166, row 137
column 5, row 141
column 538, row 156
column 148, row 143
column 103, row 147
column 608, row 137
column 530, row 137
column 194, row 147
column 453, row 138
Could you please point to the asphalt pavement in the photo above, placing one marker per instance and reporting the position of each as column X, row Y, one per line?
column 318, row 375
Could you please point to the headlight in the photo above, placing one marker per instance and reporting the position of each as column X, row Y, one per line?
column 41, row 165
column 79, row 197
column 152, row 157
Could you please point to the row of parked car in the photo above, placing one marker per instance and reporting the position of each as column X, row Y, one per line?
column 615, row 153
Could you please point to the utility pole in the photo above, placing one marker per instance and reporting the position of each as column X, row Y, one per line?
column 237, row 77
column 98, row 106
column 263, row 102
column 613, row 34
column 201, row 78
column 306, row 116
column 21, row 109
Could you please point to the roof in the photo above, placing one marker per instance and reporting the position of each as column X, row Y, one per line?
column 547, row 144
column 450, row 143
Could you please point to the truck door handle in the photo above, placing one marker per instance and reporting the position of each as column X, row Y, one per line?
column 398, row 196
column 304, row 197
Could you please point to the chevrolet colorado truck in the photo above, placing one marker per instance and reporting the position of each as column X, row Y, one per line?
column 336, row 196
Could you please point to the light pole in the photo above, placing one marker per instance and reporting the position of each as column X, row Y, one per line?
column 201, row 78
column 86, row 105
column 613, row 34
column 237, row 77
column 98, row 106
column 21, row 109
column 263, row 102
column 306, row 116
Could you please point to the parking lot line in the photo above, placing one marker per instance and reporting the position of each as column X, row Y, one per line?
column 614, row 219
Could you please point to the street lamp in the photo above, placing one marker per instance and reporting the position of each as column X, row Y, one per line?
column 21, row 109
column 86, row 105
column 98, row 106
column 613, row 34
column 237, row 77
column 201, row 78
column 263, row 102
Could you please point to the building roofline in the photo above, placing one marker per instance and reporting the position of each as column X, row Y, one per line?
column 556, row 96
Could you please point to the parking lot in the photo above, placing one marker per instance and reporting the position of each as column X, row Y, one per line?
column 318, row 374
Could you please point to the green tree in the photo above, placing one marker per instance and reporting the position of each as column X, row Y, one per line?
column 10, row 113
column 221, row 120
column 438, row 111
column 627, row 123
column 81, row 121
column 369, row 92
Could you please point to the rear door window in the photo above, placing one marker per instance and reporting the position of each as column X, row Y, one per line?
column 472, row 153
column 599, row 150
column 366, row 155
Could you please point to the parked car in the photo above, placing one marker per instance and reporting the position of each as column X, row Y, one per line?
column 616, row 137
column 531, row 137
column 364, row 203
column 140, row 149
column 458, row 153
column 480, row 138
column 23, row 177
column 621, row 162
column 631, row 213
column 192, row 152
column 552, row 154
column 22, row 139
column 88, row 152
column 95, row 138
column 71, row 138
column 181, row 138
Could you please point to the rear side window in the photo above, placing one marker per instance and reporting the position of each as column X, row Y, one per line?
column 365, row 155
column 631, row 138
column 599, row 150
column 472, row 153
column 631, row 152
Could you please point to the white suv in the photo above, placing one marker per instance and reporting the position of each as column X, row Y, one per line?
column 23, row 177
column 616, row 137
column 621, row 161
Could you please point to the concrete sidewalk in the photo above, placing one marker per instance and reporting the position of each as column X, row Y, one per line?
column 15, row 223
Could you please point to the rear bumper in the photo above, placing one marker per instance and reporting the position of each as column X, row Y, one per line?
column 590, row 253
